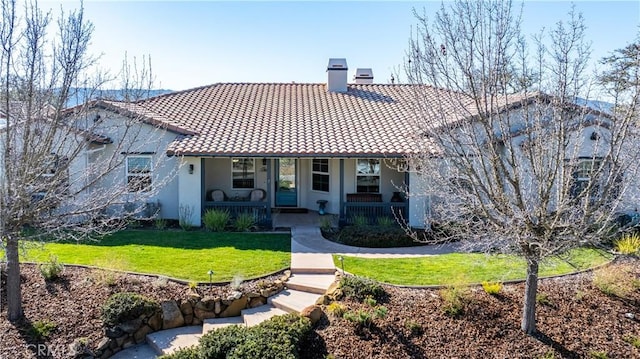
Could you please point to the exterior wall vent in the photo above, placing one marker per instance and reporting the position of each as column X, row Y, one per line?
column 364, row 76
column 337, row 75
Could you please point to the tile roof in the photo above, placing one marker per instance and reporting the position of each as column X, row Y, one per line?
column 263, row 119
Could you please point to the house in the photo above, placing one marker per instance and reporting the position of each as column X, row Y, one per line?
column 259, row 147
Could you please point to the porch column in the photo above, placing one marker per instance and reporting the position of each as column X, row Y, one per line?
column 269, row 191
column 190, row 190
column 342, row 214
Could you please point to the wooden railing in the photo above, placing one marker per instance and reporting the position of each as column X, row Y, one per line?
column 373, row 210
column 261, row 211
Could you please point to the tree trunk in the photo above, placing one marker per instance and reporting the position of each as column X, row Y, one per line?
column 530, row 290
column 14, row 296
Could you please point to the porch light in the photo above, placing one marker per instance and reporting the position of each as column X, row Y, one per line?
column 191, row 169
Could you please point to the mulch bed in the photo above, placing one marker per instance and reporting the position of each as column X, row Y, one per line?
column 578, row 322
column 73, row 303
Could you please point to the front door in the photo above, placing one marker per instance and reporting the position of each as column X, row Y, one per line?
column 286, row 183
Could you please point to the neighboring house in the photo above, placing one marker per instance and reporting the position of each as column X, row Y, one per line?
column 255, row 147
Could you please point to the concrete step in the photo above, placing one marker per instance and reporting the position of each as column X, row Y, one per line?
column 317, row 263
column 170, row 340
column 293, row 301
column 312, row 283
column 255, row 316
column 217, row 323
column 139, row 351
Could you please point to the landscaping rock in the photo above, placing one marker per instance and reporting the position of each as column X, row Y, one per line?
column 234, row 308
column 257, row 301
column 113, row 332
column 313, row 312
column 171, row 315
column 103, row 344
column 131, row 326
column 108, row 353
column 217, row 308
column 141, row 333
column 120, row 341
column 203, row 314
column 186, row 308
column 155, row 322
column 323, row 300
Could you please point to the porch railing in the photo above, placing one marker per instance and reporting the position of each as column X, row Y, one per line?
column 261, row 211
column 374, row 210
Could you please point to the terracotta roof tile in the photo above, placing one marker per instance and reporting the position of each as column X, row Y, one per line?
column 286, row 119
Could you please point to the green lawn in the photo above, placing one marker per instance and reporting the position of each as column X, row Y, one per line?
column 176, row 254
column 464, row 267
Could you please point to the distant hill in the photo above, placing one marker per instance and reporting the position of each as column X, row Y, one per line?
column 79, row 95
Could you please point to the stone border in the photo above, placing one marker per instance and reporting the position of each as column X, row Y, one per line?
column 178, row 313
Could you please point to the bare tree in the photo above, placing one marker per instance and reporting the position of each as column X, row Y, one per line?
column 61, row 171
column 509, row 161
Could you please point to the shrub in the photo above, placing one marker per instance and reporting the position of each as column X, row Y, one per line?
column 218, row 343
column 244, row 222
column 122, row 307
column 374, row 237
column 381, row 312
column 326, row 223
column 454, row 299
column 215, row 220
column 414, row 327
column 615, row 281
column 105, row 277
column 184, row 217
column 336, row 309
column 360, row 221
column 629, row 244
column 492, row 288
column 160, row 223
column 543, row 299
column 385, row 221
column 42, row 329
column 633, row 340
column 362, row 318
column 370, row 301
column 184, row 353
column 192, row 285
column 598, row 355
column 52, row 269
column 278, row 337
column 360, row 288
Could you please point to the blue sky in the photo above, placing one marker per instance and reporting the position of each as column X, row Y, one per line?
column 195, row 43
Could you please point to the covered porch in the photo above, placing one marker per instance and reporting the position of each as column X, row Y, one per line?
column 350, row 189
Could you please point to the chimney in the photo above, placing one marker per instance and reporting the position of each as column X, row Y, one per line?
column 337, row 75
column 364, row 76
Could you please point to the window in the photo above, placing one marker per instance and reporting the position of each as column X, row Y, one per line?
column 320, row 175
column 583, row 173
column 367, row 176
column 54, row 175
column 243, row 172
column 138, row 173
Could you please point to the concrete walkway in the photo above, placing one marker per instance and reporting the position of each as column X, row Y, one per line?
column 309, row 240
